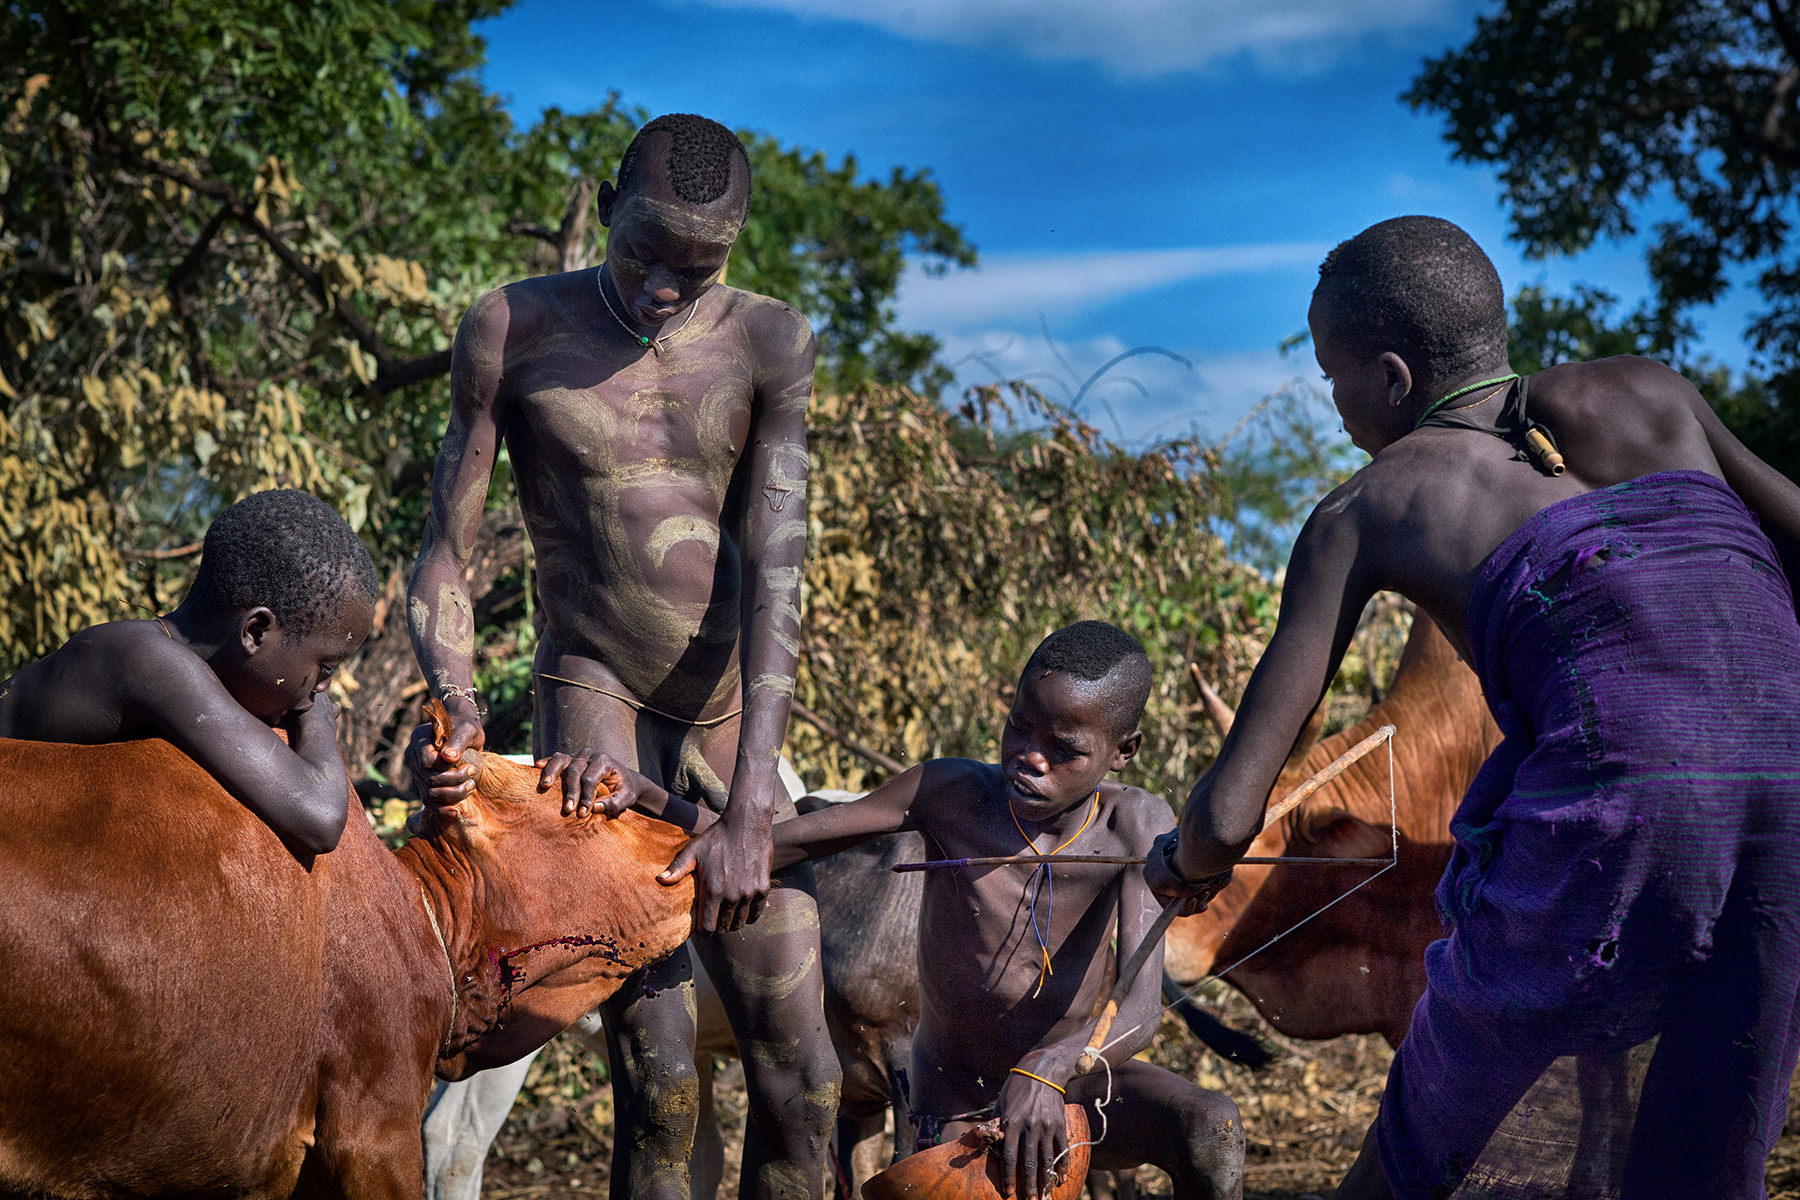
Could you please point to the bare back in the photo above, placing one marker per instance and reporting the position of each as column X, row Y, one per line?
column 1423, row 517
column 1434, row 505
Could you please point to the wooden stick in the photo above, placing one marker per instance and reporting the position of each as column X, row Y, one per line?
column 845, row 740
column 1127, row 976
column 1112, row 860
column 1336, row 767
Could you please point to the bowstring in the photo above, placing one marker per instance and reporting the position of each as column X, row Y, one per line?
column 1393, row 861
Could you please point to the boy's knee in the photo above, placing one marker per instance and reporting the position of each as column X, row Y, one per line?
column 1212, row 1134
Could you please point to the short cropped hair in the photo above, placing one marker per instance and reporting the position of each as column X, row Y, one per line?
column 1422, row 288
column 700, row 153
column 1092, row 651
column 287, row 551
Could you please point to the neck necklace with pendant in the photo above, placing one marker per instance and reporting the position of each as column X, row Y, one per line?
column 655, row 344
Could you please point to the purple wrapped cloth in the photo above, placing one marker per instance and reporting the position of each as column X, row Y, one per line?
column 1613, row 1011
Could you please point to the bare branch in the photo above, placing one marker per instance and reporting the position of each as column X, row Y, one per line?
column 530, row 229
column 843, row 739
column 571, row 236
column 411, row 371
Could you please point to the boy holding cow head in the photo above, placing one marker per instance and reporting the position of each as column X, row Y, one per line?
column 1015, row 959
column 285, row 592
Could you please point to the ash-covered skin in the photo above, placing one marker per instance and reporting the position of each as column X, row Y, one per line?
column 664, row 489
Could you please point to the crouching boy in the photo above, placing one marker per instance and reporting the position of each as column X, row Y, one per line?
column 1016, row 960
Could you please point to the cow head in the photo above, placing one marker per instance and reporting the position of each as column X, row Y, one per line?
column 1359, row 966
column 542, row 915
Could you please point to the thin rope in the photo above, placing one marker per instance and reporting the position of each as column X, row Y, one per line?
column 1043, row 936
column 639, row 706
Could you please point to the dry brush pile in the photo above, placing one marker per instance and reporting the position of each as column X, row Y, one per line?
column 943, row 547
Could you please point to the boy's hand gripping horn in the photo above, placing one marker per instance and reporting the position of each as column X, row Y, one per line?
column 1129, row 973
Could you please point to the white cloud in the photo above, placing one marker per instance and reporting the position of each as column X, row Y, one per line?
column 1135, row 37
column 1007, row 287
column 1210, row 396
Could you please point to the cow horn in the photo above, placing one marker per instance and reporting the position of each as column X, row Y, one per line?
column 1211, row 703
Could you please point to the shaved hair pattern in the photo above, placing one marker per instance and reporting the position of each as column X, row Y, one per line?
column 287, row 551
column 699, row 161
column 1422, row 288
column 1095, row 651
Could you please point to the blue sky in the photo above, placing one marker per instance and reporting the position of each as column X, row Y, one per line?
column 1138, row 172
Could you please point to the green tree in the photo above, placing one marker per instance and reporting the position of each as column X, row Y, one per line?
column 236, row 239
column 1594, row 110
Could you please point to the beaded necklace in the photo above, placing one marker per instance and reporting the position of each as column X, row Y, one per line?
column 1035, row 885
column 1473, row 387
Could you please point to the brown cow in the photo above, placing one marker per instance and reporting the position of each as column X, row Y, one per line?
column 1358, row 967
column 187, row 1009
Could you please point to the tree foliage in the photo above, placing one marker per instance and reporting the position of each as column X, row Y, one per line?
column 1590, row 106
column 235, row 242
column 1597, row 110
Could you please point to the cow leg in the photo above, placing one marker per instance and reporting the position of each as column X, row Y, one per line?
column 1157, row 1117
column 461, row 1121
column 769, row 978
column 862, row 1151
column 650, row 1046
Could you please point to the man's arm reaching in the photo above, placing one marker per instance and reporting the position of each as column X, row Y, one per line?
column 733, row 857
column 1321, row 601
column 440, row 617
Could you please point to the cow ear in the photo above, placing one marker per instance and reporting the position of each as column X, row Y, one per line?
column 439, row 716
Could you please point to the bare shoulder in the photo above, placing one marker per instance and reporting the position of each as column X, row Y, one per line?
column 1370, row 502
column 776, row 331
column 1637, row 391
column 950, row 787
column 517, row 312
column 91, row 687
column 143, row 657
column 1136, row 817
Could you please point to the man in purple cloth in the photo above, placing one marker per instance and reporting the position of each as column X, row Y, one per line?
column 1627, row 869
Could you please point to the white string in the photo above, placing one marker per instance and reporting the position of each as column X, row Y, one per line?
column 1393, row 861
column 1099, row 1107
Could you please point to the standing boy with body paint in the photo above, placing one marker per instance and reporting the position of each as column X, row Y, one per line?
column 1016, row 961
column 656, row 426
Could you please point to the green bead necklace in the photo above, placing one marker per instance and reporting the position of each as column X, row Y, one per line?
column 1473, row 387
column 655, row 344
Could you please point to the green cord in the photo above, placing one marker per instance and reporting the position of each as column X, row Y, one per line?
column 1473, row 387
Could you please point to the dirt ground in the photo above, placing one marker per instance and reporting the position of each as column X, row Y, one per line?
column 1305, row 1113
